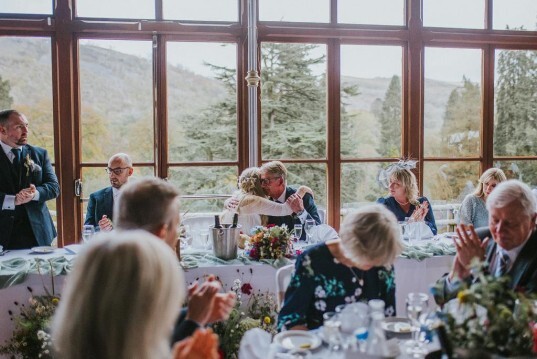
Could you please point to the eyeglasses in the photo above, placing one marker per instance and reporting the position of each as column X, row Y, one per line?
column 266, row 181
column 117, row 171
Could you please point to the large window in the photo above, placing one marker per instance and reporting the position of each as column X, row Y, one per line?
column 347, row 88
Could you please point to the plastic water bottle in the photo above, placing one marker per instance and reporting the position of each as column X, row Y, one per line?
column 376, row 339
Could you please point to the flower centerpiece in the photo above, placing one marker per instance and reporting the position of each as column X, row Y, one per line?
column 260, row 312
column 270, row 242
column 30, row 338
column 488, row 316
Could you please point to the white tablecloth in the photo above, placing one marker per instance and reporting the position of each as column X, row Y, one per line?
column 411, row 275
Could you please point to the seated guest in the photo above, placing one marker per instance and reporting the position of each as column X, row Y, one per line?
column 350, row 269
column 403, row 200
column 101, row 203
column 511, row 251
column 273, row 176
column 253, row 206
column 152, row 204
column 121, row 301
column 473, row 209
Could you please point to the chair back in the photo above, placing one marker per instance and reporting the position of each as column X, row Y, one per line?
column 283, row 278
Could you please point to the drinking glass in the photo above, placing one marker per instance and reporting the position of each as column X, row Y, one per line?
column 204, row 236
column 298, row 231
column 416, row 306
column 310, row 223
column 331, row 330
column 87, row 232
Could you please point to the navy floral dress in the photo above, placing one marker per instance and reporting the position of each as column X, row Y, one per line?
column 320, row 283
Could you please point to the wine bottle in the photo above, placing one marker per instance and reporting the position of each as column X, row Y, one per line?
column 217, row 222
column 235, row 220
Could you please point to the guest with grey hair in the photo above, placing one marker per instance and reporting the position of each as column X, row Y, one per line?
column 100, row 210
column 356, row 267
column 511, row 251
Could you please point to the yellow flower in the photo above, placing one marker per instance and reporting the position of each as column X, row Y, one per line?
column 55, row 301
column 267, row 320
column 465, row 296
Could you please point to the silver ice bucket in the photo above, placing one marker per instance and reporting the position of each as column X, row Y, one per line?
column 225, row 241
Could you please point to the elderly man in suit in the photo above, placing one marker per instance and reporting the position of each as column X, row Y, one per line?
column 101, row 203
column 27, row 182
column 513, row 246
column 274, row 182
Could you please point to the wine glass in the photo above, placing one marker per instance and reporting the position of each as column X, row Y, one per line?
column 416, row 306
column 298, row 231
column 310, row 223
column 332, row 330
column 87, row 232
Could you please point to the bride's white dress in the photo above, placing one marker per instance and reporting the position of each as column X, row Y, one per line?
column 251, row 208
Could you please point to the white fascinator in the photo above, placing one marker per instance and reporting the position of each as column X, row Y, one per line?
column 383, row 177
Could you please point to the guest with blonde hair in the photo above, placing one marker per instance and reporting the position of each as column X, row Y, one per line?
column 121, row 301
column 473, row 208
column 356, row 267
column 403, row 199
column 252, row 205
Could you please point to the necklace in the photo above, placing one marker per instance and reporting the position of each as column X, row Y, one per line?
column 401, row 204
column 355, row 279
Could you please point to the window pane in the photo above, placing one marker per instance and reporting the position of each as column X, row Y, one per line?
column 454, row 13
column 203, row 181
column 26, row 6
column 205, row 10
column 514, row 14
column 360, row 185
column 116, row 9
column 312, row 175
column 525, row 171
column 26, row 85
column 515, row 128
column 202, row 101
column 449, row 182
column 117, row 99
column 453, row 109
column 294, row 10
column 371, row 101
column 378, row 12
column 293, row 101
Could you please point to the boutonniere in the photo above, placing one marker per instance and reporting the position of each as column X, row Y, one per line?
column 31, row 165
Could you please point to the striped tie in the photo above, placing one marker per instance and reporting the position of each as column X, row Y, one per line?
column 503, row 264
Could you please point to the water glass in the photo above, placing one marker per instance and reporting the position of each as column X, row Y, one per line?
column 298, row 231
column 308, row 227
column 416, row 306
column 204, row 239
column 332, row 330
column 87, row 233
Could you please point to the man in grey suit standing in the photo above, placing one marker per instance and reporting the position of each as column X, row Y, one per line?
column 27, row 182
column 101, row 203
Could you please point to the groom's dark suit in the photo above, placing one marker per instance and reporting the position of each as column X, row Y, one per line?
column 523, row 272
column 30, row 223
column 309, row 206
column 100, row 203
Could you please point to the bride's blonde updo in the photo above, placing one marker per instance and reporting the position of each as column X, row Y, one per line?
column 250, row 182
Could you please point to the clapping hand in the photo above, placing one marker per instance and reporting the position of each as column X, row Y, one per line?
column 420, row 212
column 203, row 344
column 25, row 195
column 468, row 246
column 105, row 224
column 295, row 202
column 206, row 304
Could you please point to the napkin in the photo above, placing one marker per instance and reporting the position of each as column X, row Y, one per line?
column 323, row 233
column 256, row 344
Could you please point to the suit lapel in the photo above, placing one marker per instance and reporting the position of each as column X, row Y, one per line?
column 526, row 255
column 109, row 201
column 9, row 170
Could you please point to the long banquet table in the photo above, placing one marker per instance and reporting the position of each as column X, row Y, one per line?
column 20, row 270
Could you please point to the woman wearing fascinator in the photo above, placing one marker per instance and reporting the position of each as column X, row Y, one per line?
column 403, row 199
column 253, row 206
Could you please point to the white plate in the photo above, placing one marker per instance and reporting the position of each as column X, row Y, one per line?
column 397, row 325
column 43, row 249
column 297, row 339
